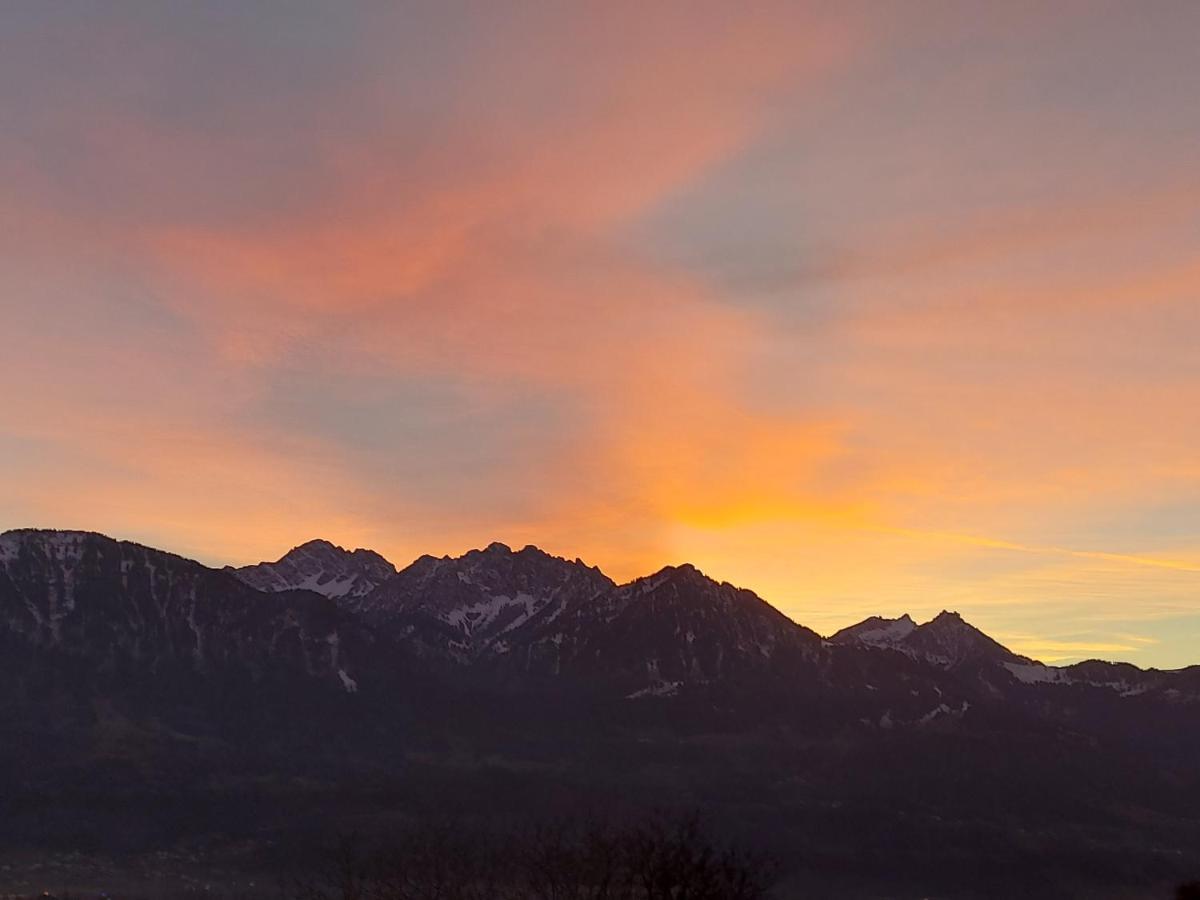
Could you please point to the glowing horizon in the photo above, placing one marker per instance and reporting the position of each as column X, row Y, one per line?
column 872, row 312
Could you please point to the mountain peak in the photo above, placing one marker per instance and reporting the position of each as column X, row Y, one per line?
column 877, row 631
column 328, row 548
column 321, row 566
column 946, row 617
column 948, row 639
column 317, row 544
column 47, row 542
column 477, row 604
column 498, row 550
column 682, row 571
column 679, row 625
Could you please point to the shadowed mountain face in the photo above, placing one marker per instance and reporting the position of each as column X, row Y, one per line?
column 485, row 606
column 123, row 607
column 129, row 669
column 946, row 640
column 679, row 626
column 521, row 616
column 531, row 615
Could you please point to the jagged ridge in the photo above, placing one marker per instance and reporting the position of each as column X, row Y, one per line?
column 515, row 615
column 322, row 567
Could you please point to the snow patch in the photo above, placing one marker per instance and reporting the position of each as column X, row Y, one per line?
column 887, row 634
column 1133, row 691
column 939, row 710
column 943, row 710
column 332, row 588
column 334, row 641
column 1036, row 673
column 658, row 689
column 477, row 617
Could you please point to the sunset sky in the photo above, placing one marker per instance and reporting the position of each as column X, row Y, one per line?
column 872, row 308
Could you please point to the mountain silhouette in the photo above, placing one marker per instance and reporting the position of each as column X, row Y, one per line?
column 518, row 679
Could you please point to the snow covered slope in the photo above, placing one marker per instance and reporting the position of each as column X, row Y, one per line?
column 945, row 640
column 322, row 567
column 474, row 606
column 877, row 631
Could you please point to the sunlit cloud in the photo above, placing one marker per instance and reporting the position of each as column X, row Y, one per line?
column 997, row 544
column 1051, row 651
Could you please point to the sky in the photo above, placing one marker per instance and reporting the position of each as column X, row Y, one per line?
column 870, row 307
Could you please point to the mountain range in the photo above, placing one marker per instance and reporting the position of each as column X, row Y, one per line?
column 520, row 616
column 130, row 669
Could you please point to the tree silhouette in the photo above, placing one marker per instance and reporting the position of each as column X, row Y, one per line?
column 657, row 859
